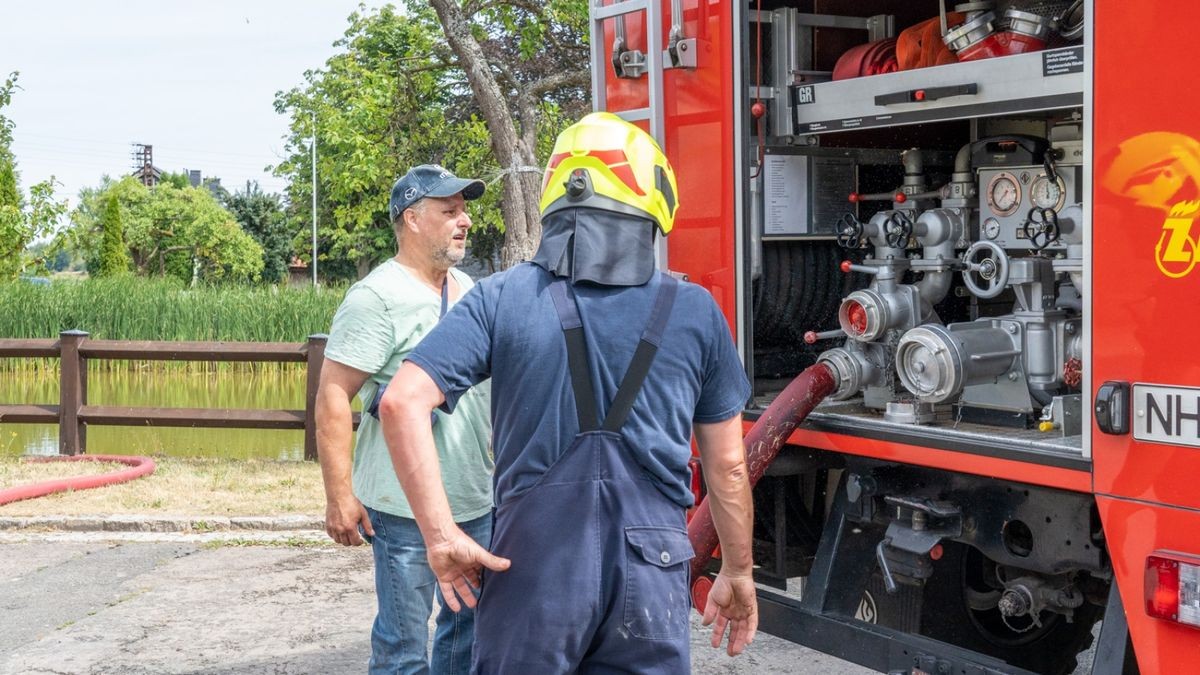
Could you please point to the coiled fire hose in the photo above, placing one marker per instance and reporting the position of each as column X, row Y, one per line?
column 139, row 466
column 762, row 444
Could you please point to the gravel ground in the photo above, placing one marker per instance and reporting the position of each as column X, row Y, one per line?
column 210, row 603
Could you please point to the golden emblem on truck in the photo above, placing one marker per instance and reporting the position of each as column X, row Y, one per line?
column 1161, row 170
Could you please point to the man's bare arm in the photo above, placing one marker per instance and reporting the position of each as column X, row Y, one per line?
column 732, row 602
column 454, row 557
column 343, row 512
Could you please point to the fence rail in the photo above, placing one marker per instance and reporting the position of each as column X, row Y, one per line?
column 73, row 414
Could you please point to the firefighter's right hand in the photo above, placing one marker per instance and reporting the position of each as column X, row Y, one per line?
column 457, row 561
column 345, row 517
column 732, row 603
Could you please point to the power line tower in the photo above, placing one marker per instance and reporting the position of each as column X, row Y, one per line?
column 143, row 164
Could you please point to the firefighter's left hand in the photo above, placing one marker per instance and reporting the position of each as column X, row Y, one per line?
column 732, row 603
column 457, row 562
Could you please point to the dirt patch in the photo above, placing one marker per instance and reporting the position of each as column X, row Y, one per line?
column 178, row 487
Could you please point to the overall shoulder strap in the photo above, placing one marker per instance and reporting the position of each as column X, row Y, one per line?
column 577, row 361
column 644, row 356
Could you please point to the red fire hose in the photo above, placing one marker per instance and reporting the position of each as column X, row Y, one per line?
column 139, row 466
column 763, row 442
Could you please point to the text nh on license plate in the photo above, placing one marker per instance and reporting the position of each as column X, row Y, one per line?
column 1168, row 415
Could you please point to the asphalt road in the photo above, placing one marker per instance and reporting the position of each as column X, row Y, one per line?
column 79, row 604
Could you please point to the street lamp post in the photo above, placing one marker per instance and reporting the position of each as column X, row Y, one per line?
column 314, row 199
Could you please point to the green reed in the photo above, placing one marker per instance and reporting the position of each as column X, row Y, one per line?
column 133, row 308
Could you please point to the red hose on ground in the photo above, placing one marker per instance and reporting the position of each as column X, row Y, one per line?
column 139, row 466
column 762, row 444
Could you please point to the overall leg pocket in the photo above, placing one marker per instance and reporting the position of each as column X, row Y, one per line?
column 656, row 598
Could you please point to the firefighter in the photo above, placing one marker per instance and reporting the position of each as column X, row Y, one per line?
column 602, row 369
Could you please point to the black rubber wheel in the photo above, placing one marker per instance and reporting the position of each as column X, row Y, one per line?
column 1050, row 649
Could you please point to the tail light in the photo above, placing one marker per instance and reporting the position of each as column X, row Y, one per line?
column 1173, row 588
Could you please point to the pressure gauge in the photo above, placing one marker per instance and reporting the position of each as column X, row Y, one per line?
column 1004, row 194
column 991, row 228
column 1048, row 194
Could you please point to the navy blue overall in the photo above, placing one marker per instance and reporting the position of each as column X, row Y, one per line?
column 598, row 582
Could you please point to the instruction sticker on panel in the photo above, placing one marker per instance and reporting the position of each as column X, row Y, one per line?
column 785, row 195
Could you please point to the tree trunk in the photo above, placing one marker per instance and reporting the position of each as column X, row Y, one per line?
column 513, row 151
column 363, row 267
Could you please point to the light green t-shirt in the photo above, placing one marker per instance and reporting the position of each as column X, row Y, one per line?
column 382, row 319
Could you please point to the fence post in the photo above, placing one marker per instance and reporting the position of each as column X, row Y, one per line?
column 315, row 351
column 72, row 393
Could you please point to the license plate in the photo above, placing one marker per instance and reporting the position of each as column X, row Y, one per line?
column 1169, row 415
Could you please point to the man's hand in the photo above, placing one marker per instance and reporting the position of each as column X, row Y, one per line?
column 732, row 602
column 343, row 512
column 343, row 516
column 457, row 563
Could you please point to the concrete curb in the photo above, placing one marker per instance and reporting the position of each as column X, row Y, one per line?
column 164, row 524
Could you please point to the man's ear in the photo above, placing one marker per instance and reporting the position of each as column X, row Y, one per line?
column 409, row 218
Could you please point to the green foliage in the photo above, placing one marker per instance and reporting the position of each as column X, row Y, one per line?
column 394, row 97
column 6, row 125
column 378, row 110
column 114, row 259
column 21, row 221
column 261, row 215
column 131, row 308
column 180, row 232
column 177, row 179
column 9, row 196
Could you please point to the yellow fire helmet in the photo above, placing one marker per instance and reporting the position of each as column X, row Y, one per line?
column 604, row 162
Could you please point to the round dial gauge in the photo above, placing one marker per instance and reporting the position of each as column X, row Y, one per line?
column 1048, row 194
column 991, row 228
column 1004, row 194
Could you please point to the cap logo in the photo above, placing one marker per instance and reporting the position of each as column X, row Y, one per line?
column 410, row 193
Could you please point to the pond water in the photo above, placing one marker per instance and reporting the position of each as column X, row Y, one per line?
column 159, row 387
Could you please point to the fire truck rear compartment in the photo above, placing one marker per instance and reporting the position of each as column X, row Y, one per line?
column 922, row 234
column 959, row 320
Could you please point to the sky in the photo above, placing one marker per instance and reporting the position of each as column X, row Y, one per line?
column 195, row 80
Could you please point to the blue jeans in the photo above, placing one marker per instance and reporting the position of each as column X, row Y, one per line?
column 405, row 586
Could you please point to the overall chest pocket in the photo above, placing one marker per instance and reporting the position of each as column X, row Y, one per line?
column 656, row 576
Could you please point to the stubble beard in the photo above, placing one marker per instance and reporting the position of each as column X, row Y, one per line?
column 448, row 256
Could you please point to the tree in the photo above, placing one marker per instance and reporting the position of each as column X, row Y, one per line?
column 182, row 232
column 261, row 215
column 21, row 221
column 395, row 97
column 485, row 37
column 114, row 259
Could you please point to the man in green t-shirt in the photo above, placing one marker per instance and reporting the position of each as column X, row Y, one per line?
column 381, row 320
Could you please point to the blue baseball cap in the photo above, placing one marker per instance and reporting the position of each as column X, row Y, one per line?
column 430, row 180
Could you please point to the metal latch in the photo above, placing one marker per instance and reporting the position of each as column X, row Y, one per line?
column 628, row 64
column 929, row 94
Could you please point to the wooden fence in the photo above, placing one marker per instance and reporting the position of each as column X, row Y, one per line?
column 74, row 415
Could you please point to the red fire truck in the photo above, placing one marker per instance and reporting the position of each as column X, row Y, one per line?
column 978, row 221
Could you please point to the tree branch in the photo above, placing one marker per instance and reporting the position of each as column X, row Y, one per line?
column 487, row 91
column 571, row 78
column 470, row 8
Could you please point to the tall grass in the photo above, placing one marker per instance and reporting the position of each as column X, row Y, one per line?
column 132, row 308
